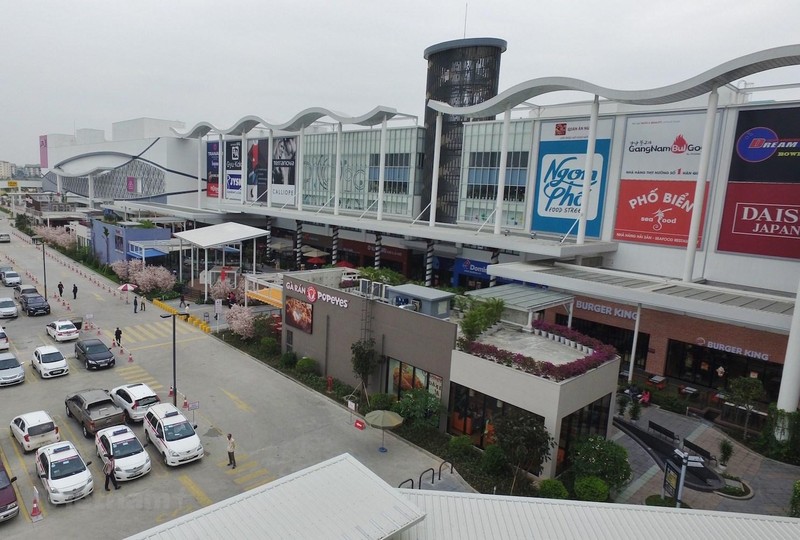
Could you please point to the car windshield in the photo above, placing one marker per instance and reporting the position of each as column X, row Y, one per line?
column 66, row 327
column 66, row 467
column 41, row 429
column 176, row 432
column 6, row 303
column 49, row 358
column 4, row 481
column 11, row 274
column 129, row 447
column 94, row 348
column 8, row 363
column 145, row 401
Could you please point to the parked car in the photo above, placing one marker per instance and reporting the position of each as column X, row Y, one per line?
column 64, row 474
column 21, row 289
column 130, row 457
column 62, row 330
column 9, row 507
column 135, row 399
column 34, row 429
column 8, row 308
column 4, row 341
column 94, row 410
column 34, row 304
column 172, row 435
column 49, row 362
column 4, row 269
column 11, row 371
column 11, row 278
column 94, row 353
column 5, row 238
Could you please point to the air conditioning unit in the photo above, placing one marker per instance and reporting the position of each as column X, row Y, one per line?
column 378, row 289
column 365, row 286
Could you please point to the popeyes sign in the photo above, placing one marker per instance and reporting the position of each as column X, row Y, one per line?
column 313, row 295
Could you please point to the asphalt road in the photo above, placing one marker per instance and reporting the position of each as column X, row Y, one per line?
column 280, row 426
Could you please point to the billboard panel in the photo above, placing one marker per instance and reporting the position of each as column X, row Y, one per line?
column 284, row 155
column 212, row 169
column 233, row 170
column 559, row 180
column 761, row 215
column 257, row 169
column 660, row 162
column 43, row 160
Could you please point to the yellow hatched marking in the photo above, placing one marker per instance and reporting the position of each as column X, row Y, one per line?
column 259, row 482
column 130, row 369
column 133, row 335
column 239, row 456
column 157, row 329
column 252, row 476
column 242, row 467
column 239, row 402
column 195, row 490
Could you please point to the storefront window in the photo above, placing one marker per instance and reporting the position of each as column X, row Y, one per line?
column 590, row 420
column 405, row 377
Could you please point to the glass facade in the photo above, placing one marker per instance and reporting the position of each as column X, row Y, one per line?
column 403, row 377
column 590, row 420
column 620, row 338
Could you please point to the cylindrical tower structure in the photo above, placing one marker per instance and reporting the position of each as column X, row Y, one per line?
column 461, row 72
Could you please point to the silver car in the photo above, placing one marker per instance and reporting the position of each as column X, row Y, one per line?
column 11, row 278
column 11, row 371
column 8, row 308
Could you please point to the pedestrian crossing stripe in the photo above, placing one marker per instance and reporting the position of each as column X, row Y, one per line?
column 150, row 331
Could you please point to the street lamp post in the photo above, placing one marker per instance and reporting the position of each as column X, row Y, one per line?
column 174, row 356
column 38, row 240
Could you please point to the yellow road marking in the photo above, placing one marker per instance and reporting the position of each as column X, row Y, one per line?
column 242, row 467
column 161, row 344
column 195, row 490
column 23, row 508
column 168, row 516
column 259, row 482
column 99, row 297
column 239, row 402
column 252, row 476
column 239, row 455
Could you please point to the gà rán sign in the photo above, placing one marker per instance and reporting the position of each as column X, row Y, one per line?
column 313, row 295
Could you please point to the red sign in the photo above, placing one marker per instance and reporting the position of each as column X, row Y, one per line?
column 761, row 219
column 212, row 189
column 359, row 424
column 656, row 212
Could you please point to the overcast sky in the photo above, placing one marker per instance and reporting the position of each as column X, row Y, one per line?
column 87, row 64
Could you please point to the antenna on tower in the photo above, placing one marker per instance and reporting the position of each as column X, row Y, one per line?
column 466, row 10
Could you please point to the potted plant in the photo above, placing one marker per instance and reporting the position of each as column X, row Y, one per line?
column 635, row 410
column 622, row 403
column 725, row 453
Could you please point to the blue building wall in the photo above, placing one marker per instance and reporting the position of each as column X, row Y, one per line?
column 116, row 247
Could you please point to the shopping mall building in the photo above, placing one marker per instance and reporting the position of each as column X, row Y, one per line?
column 681, row 248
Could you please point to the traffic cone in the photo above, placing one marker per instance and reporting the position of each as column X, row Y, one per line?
column 130, row 358
column 185, row 402
column 36, row 512
column 171, row 391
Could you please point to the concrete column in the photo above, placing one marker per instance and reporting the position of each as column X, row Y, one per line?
column 437, row 151
column 337, row 184
column 245, row 164
column 588, row 171
column 382, row 169
column 200, row 155
column 270, row 146
column 220, row 174
column 789, row 394
column 91, row 191
column 501, row 177
column 298, row 168
column 635, row 342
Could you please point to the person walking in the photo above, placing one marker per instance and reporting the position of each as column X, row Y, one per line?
column 74, row 292
column 60, row 289
column 231, row 450
column 108, row 470
column 118, row 336
column 143, row 304
column 135, row 304
column 183, row 301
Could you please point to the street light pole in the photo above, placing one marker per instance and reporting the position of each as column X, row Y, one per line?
column 174, row 356
column 38, row 240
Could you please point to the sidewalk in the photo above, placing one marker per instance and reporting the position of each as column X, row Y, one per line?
column 770, row 480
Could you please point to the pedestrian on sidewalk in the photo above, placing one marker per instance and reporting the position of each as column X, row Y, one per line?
column 143, row 304
column 74, row 292
column 108, row 470
column 183, row 301
column 135, row 304
column 118, row 336
column 231, row 450
column 60, row 289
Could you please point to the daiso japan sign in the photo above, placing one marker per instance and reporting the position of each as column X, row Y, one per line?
column 313, row 295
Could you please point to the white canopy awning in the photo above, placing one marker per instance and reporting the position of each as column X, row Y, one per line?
column 222, row 234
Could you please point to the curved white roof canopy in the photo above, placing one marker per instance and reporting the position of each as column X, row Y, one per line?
column 721, row 75
column 92, row 163
column 302, row 119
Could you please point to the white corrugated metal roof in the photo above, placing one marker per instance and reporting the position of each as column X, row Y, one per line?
column 466, row 516
column 219, row 235
column 338, row 498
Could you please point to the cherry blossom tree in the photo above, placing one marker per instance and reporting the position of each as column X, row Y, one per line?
column 240, row 321
column 153, row 278
column 57, row 236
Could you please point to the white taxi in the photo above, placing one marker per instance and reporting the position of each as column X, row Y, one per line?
column 65, row 476
column 135, row 399
column 49, row 362
column 172, row 435
column 131, row 460
column 34, row 429
column 62, row 330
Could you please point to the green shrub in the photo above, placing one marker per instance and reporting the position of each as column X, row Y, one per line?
column 379, row 402
column 607, row 460
column 591, row 488
column 794, row 503
column 419, row 408
column 552, row 488
column 270, row 346
column 288, row 360
column 306, row 365
column 493, row 460
column 459, row 448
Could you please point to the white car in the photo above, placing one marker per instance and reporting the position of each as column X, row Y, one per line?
column 64, row 474
column 34, row 429
column 49, row 362
column 131, row 460
column 11, row 371
column 4, row 342
column 11, row 278
column 172, row 435
column 135, row 399
column 62, row 330
column 8, row 308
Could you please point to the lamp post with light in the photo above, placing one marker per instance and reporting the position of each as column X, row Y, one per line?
column 174, row 356
column 39, row 241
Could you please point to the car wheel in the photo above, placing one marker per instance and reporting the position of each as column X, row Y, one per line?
column 147, row 436
column 86, row 432
column 165, row 459
column 69, row 414
column 86, row 363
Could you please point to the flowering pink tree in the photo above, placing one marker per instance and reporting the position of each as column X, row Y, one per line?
column 240, row 321
column 57, row 236
column 220, row 290
column 153, row 278
column 125, row 270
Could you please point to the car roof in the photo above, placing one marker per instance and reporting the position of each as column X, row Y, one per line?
column 61, row 450
column 162, row 409
column 64, row 322
column 32, row 295
column 46, row 349
column 137, row 390
column 91, row 394
column 115, row 433
column 6, row 298
column 35, row 417
column 6, row 355
column 90, row 341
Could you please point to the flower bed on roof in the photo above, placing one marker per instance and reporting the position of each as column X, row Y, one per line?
column 601, row 354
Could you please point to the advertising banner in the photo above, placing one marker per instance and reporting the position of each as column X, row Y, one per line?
column 284, row 155
column 761, row 215
column 233, row 170
column 559, row 180
column 212, row 169
column 43, row 151
column 660, row 161
column 257, row 169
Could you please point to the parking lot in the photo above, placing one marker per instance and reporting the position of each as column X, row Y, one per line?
column 280, row 427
